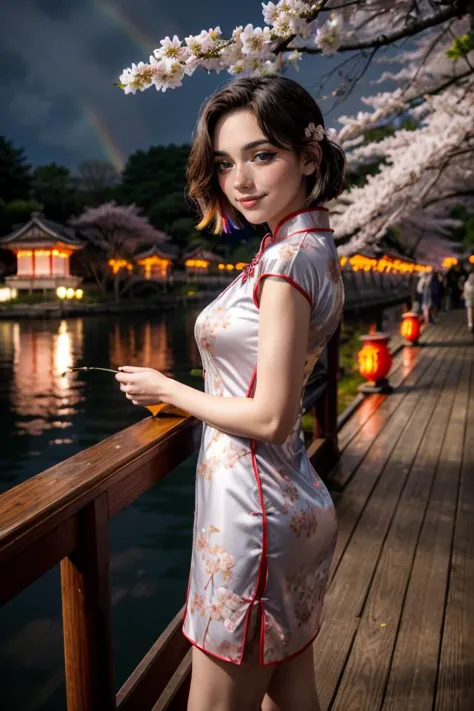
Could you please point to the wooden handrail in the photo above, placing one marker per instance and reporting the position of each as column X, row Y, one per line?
column 61, row 516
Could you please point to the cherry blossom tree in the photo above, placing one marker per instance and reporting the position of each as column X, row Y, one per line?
column 114, row 234
column 422, row 172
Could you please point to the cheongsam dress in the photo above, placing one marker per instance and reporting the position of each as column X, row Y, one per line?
column 265, row 526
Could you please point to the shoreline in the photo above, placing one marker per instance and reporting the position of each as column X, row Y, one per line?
column 354, row 303
column 66, row 310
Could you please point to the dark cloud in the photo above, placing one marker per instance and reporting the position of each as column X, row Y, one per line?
column 13, row 67
column 58, row 10
column 59, row 59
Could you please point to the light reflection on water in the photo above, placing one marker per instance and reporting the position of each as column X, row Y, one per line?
column 45, row 419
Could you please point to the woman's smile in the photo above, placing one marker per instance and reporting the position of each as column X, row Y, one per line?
column 248, row 202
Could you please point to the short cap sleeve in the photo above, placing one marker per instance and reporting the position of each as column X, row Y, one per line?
column 288, row 260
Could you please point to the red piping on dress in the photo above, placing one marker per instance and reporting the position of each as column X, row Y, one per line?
column 281, row 276
column 298, row 212
column 262, row 570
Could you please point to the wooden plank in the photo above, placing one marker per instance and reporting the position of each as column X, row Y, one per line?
column 352, row 502
column 175, row 696
column 347, row 593
column 32, row 562
column 356, row 450
column 31, row 509
column 367, row 405
column 141, row 474
column 412, row 678
column 154, row 672
column 86, row 602
column 456, row 665
column 374, row 437
column 366, row 672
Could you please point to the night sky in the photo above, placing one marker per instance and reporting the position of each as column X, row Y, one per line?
column 59, row 59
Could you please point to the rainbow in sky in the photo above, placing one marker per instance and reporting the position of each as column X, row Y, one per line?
column 146, row 45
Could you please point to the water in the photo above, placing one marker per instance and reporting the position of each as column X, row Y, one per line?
column 46, row 418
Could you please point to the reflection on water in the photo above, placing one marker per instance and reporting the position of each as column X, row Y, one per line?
column 40, row 396
column 45, row 419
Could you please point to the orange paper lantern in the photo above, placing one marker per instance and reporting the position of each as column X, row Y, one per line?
column 410, row 327
column 375, row 361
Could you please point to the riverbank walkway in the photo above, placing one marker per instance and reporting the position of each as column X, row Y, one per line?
column 398, row 633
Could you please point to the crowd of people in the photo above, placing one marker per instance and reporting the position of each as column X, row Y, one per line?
column 437, row 291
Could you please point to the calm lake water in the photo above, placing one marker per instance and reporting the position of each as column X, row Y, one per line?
column 46, row 418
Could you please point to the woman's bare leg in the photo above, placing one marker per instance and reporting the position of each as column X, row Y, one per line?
column 222, row 686
column 293, row 685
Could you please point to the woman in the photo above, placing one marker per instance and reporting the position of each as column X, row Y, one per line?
column 265, row 525
column 468, row 296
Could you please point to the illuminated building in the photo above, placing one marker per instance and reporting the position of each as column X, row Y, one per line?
column 43, row 249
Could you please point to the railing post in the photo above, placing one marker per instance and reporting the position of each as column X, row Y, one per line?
column 87, row 614
column 326, row 406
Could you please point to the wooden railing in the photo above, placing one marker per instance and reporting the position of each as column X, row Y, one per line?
column 61, row 516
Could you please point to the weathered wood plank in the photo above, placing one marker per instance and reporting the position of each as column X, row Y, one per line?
column 347, row 593
column 33, row 561
column 363, row 683
column 378, row 449
column 400, row 369
column 456, row 667
column 175, row 696
column 375, row 415
column 151, row 676
column 37, row 506
column 412, row 678
column 87, row 615
column 373, row 426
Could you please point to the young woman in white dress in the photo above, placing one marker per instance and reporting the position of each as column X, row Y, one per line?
column 265, row 526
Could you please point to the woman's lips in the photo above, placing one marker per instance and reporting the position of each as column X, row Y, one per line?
column 250, row 201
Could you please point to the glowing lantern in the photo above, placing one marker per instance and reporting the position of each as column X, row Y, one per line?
column 61, row 292
column 410, row 327
column 375, row 361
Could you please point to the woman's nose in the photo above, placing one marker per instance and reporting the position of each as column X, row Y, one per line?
column 243, row 177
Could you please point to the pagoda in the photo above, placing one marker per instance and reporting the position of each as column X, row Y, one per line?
column 43, row 249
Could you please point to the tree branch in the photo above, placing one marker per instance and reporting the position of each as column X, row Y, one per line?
column 384, row 40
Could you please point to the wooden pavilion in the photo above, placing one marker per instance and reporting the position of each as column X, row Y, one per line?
column 43, row 249
column 156, row 262
column 198, row 261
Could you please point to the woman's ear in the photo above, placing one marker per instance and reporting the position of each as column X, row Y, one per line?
column 311, row 159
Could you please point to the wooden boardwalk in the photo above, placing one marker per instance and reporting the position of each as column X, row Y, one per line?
column 398, row 633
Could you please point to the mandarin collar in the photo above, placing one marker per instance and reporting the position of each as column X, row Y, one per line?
column 313, row 219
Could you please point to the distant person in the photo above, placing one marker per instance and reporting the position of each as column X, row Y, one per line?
column 453, row 276
column 265, row 526
column 424, row 290
column 435, row 295
column 468, row 295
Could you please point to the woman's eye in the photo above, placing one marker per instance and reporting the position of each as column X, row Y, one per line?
column 223, row 165
column 264, row 157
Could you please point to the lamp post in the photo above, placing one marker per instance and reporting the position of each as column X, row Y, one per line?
column 375, row 361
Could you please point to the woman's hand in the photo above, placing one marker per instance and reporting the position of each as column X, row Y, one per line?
column 143, row 386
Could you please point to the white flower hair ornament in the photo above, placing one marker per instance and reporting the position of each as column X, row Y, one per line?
column 315, row 133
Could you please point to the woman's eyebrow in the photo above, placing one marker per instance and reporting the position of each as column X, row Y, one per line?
column 246, row 147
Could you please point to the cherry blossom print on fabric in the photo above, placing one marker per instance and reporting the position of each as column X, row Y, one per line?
column 215, row 320
column 221, row 453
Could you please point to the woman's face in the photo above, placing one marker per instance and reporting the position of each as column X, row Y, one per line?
column 261, row 181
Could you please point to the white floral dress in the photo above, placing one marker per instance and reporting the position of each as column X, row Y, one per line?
column 265, row 526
